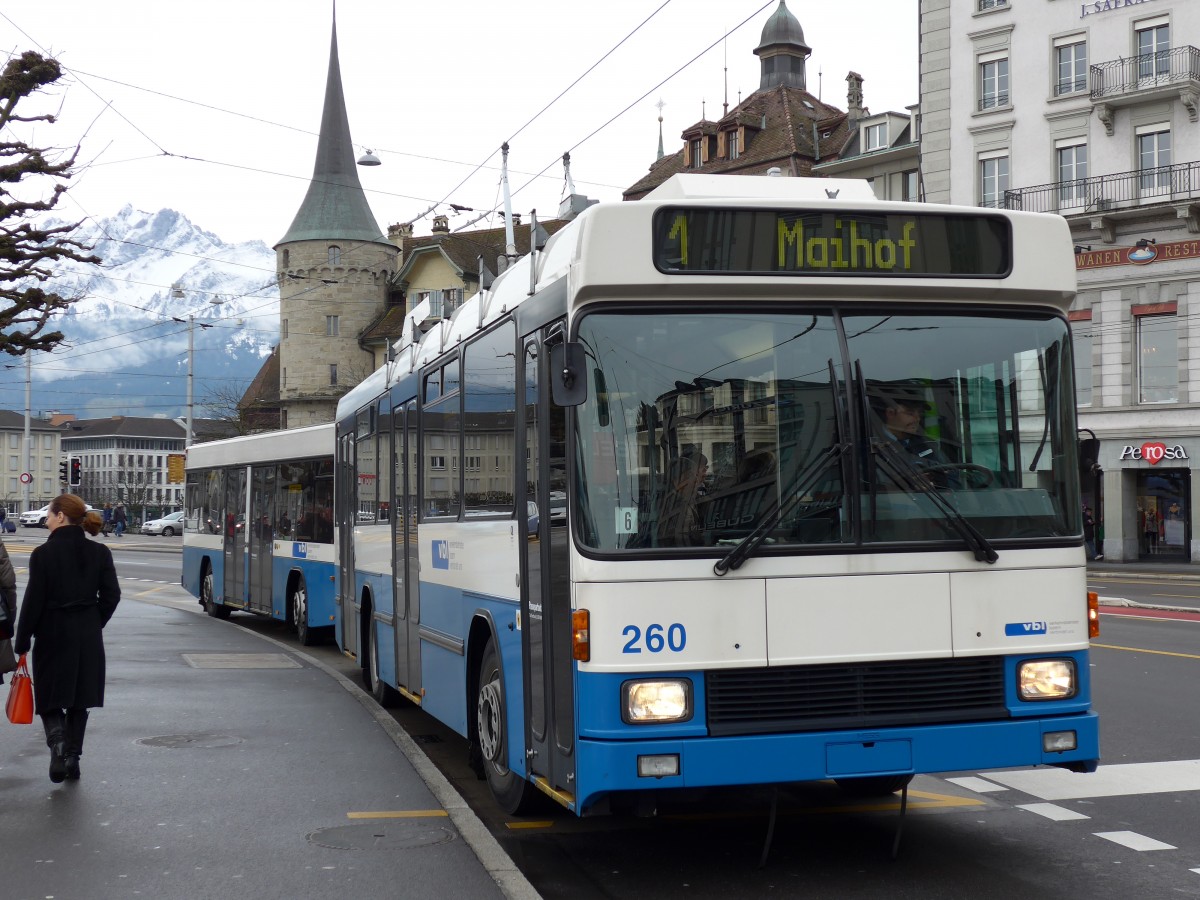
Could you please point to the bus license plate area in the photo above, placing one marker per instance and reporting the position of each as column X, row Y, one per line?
column 863, row 757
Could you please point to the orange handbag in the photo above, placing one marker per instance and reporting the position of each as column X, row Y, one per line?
column 20, row 696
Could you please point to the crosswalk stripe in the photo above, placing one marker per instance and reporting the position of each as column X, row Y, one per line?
column 1053, row 812
column 1134, row 841
column 1107, row 781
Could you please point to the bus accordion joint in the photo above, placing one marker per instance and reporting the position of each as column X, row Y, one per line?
column 1093, row 608
column 581, row 643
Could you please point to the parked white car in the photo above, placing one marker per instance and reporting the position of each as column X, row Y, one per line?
column 35, row 518
column 168, row 525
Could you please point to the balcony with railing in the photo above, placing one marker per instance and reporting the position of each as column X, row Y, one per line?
column 1101, row 194
column 1144, row 78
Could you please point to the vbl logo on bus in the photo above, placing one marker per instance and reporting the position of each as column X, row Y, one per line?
column 441, row 555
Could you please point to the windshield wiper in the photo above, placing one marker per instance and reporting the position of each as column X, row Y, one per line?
column 796, row 490
column 912, row 478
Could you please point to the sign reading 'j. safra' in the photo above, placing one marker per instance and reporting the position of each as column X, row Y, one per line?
column 1153, row 452
column 1098, row 6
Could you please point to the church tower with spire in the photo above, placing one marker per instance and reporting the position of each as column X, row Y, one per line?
column 334, row 265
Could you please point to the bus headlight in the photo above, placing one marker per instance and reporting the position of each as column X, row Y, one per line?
column 1046, row 679
column 656, row 701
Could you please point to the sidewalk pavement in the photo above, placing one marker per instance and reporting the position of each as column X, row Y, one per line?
column 1173, row 571
column 226, row 765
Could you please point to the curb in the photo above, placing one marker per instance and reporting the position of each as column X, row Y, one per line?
column 511, row 880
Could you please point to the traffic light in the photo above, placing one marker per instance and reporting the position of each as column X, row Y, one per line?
column 76, row 471
column 62, row 471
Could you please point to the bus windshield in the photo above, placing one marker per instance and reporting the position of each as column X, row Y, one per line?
column 824, row 428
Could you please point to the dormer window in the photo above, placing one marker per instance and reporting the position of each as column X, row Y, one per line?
column 875, row 137
column 731, row 145
column 697, row 157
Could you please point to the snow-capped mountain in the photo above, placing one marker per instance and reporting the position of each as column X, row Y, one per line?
column 127, row 334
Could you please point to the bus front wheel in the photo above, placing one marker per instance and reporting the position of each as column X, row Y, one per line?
column 384, row 694
column 512, row 792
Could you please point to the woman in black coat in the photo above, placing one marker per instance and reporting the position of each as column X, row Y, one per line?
column 71, row 595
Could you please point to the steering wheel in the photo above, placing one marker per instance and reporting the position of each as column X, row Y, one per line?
column 981, row 475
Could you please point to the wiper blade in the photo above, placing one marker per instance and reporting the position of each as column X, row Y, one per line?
column 802, row 484
column 911, row 477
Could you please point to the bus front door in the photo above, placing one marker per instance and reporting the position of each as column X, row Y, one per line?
column 546, row 595
column 234, row 593
column 261, row 542
column 346, row 625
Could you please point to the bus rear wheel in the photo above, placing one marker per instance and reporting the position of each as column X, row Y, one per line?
column 513, row 793
column 208, row 598
column 299, row 608
column 874, row 786
column 385, row 695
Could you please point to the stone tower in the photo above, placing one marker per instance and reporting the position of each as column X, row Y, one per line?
column 333, row 266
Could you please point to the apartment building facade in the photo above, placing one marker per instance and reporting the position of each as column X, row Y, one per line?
column 29, row 478
column 1091, row 110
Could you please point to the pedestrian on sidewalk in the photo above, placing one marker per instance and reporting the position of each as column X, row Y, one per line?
column 71, row 595
column 1089, row 533
column 8, row 599
column 119, row 519
column 107, row 524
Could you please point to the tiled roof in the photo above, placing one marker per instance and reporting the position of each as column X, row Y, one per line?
column 779, row 132
column 123, row 426
column 10, row 420
column 265, row 386
column 464, row 248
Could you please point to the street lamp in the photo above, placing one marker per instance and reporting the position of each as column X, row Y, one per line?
column 178, row 294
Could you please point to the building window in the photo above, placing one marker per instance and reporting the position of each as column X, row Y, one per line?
column 993, row 83
column 335, row 255
column 875, row 137
column 1070, row 61
column 992, row 4
column 1071, row 159
column 333, row 373
column 283, row 328
column 1081, row 341
column 731, row 145
column 331, row 326
column 993, row 181
column 697, row 159
column 911, row 187
column 1154, row 159
column 283, row 378
column 1153, row 49
column 1158, row 359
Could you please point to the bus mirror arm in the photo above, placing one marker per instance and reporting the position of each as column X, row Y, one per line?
column 568, row 368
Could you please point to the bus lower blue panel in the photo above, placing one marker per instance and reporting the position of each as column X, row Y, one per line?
column 766, row 759
column 385, row 654
column 444, row 676
column 193, row 562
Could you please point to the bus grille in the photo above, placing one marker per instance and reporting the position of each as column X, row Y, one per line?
column 861, row 695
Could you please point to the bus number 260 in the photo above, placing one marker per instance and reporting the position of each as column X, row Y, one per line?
column 674, row 638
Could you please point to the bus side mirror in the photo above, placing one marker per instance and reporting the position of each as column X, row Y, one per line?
column 568, row 374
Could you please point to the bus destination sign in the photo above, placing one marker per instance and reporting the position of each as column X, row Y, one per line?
column 812, row 242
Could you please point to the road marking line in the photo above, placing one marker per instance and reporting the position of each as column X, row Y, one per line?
column 1053, row 812
column 1134, row 841
column 518, row 825
column 1144, row 650
column 399, row 814
column 978, row 785
column 1107, row 781
column 1186, row 596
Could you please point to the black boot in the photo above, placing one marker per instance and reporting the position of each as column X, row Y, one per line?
column 55, row 724
column 76, row 724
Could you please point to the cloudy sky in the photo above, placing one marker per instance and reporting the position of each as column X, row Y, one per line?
column 212, row 109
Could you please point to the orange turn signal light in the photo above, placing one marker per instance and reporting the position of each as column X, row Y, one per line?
column 581, row 639
column 1093, row 614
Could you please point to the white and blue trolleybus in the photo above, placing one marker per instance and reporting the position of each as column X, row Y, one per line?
column 258, row 532
column 822, row 500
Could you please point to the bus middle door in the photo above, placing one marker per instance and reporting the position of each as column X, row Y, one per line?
column 261, row 527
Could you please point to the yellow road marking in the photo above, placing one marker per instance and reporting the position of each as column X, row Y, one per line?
column 1144, row 650
column 399, row 814
column 1188, row 596
column 516, row 825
